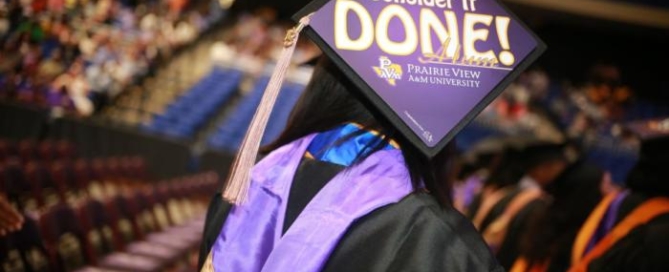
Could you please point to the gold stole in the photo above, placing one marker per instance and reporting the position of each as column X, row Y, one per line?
column 641, row 215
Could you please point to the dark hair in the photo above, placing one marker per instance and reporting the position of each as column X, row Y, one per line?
column 552, row 230
column 541, row 153
column 485, row 161
column 647, row 177
column 510, row 170
column 331, row 99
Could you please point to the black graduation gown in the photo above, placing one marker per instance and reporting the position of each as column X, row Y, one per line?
column 415, row 234
column 498, row 209
column 509, row 250
column 645, row 248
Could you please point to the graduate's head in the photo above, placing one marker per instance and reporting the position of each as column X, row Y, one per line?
column 545, row 161
column 331, row 99
column 485, row 156
column 580, row 182
column 649, row 175
column 509, row 170
column 575, row 192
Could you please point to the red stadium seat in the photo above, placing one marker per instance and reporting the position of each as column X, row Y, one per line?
column 106, row 242
column 65, row 239
column 63, row 175
column 17, row 187
column 155, row 200
column 46, row 151
column 76, row 243
column 100, row 185
column 64, row 150
column 82, row 174
column 43, row 188
column 27, row 150
column 126, row 216
column 24, row 250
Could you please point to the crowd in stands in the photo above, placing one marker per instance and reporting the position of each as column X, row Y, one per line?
column 192, row 92
column 76, row 55
column 61, row 212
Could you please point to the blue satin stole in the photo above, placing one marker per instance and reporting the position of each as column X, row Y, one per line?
column 344, row 144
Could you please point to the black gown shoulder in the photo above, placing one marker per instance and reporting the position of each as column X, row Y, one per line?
column 216, row 214
column 643, row 249
column 415, row 234
column 510, row 248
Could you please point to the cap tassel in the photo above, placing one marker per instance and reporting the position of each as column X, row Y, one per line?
column 237, row 187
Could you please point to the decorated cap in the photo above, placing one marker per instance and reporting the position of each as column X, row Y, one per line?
column 429, row 66
column 648, row 176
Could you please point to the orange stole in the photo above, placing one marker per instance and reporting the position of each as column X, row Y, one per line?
column 495, row 234
column 641, row 215
column 589, row 227
column 521, row 265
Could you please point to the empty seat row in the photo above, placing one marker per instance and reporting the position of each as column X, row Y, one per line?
column 231, row 131
column 188, row 113
column 148, row 229
column 28, row 150
column 38, row 184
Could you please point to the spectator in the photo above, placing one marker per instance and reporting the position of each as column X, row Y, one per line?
column 92, row 49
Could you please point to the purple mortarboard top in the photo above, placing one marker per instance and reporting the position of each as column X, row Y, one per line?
column 430, row 66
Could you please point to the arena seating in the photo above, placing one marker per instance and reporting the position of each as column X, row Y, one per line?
column 231, row 131
column 104, row 213
column 192, row 110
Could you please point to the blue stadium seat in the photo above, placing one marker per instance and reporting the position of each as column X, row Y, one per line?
column 189, row 112
column 231, row 131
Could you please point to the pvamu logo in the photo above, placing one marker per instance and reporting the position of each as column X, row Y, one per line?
column 388, row 70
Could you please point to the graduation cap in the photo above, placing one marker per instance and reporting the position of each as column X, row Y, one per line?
column 429, row 66
column 649, row 174
column 539, row 153
column 654, row 136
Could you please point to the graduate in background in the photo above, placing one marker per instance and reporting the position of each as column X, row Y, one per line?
column 499, row 183
column 544, row 163
column 475, row 170
column 514, row 192
column 547, row 244
column 629, row 231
